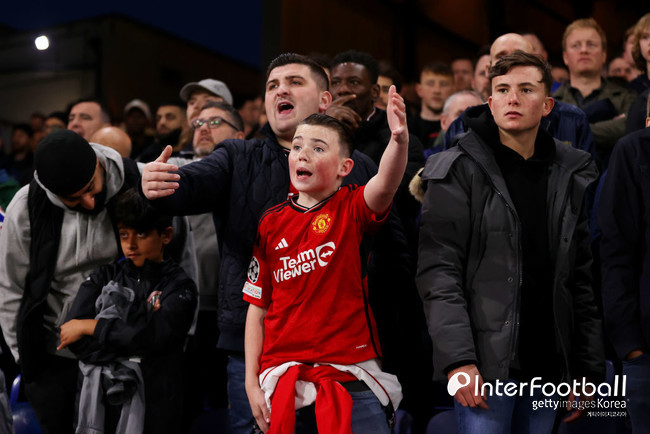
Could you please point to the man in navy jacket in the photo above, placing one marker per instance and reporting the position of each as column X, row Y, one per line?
column 623, row 214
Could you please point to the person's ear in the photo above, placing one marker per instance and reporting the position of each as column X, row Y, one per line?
column 549, row 103
column 418, row 90
column 166, row 235
column 647, row 122
column 239, row 135
column 346, row 167
column 325, row 99
column 375, row 90
column 444, row 124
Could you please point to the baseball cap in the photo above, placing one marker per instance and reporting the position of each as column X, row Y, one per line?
column 216, row 87
column 139, row 104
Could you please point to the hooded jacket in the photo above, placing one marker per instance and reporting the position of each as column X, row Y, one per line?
column 157, row 337
column 86, row 242
column 470, row 267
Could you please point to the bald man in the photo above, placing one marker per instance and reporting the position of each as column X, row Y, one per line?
column 115, row 138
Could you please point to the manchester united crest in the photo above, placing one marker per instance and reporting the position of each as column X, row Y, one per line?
column 321, row 223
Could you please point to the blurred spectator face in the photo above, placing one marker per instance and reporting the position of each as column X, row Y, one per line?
column 37, row 122
column 584, row 52
column 456, row 106
column 384, row 84
column 618, row 67
column 434, row 89
column 85, row 119
column 169, row 118
column 52, row 124
column 627, row 54
column 196, row 101
column 212, row 131
column 135, row 122
column 480, row 82
column 250, row 112
column 353, row 79
column 20, row 141
column 463, row 71
column 560, row 74
column 538, row 47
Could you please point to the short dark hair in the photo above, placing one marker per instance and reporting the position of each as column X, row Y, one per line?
column 23, row 127
column 388, row 70
column 317, row 72
column 346, row 138
column 438, row 68
column 233, row 116
column 519, row 58
column 174, row 103
column 58, row 115
column 103, row 110
column 133, row 211
column 361, row 58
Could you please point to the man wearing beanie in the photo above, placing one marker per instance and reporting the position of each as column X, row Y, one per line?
column 57, row 230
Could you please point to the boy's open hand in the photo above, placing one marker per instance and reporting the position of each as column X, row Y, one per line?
column 396, row 114
column 157, row 181
column 258, row 406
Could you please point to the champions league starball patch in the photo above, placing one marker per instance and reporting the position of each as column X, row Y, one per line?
column 321, row 223
column 253, row 270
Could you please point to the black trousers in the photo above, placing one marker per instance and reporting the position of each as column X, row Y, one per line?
column 52, row 394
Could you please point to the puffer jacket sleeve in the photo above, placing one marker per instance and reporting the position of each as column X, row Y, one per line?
column 445, row 230
column 203, row 185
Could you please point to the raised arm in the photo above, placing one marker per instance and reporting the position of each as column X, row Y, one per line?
column 157, row 179
column 381, row 188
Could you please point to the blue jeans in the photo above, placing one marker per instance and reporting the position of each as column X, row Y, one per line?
column 368, row 416
column 507, row 414
column 638, row 392
column 240, row 414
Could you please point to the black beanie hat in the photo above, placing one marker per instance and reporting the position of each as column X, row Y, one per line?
column 64, row 162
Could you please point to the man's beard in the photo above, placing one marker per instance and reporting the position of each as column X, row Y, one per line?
column 100, row 204
column 170, row 138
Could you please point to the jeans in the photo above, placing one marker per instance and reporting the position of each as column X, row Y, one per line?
column 637, row 371
column 368, row 416
column 507, row 414
column 240, row 414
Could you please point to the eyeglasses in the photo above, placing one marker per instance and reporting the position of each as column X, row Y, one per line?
column 213, row 122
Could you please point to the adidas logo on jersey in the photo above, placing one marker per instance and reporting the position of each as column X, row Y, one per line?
column 282, row 244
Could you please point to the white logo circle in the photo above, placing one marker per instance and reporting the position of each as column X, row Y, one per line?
column 454, row 384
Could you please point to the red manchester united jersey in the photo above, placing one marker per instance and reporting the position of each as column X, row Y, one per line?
column 307, row 270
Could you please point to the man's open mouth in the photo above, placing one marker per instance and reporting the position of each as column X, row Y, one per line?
column 285, row 107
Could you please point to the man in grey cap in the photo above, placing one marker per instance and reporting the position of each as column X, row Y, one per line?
column 56, row 231
column 196, row 94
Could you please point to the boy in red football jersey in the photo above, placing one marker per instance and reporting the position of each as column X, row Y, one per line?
column 310, row 334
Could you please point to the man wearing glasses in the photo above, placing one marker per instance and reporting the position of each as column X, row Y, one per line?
column 217, row 122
